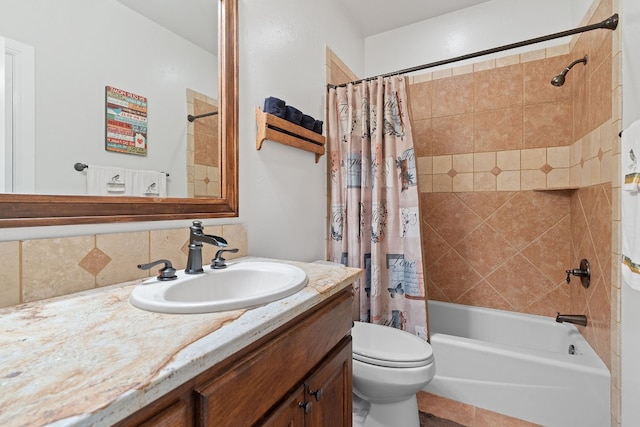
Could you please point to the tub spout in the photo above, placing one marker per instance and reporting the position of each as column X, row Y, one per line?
column 577, row 319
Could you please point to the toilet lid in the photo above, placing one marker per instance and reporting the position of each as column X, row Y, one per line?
column 387, row 346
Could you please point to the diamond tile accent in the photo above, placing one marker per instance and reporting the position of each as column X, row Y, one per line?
column 95, row 261
column 484, row 295
column 484, row 262
column 453, row 220
column 600, row 154
column 496, row 171
column 546, row 168
column 452, row 173
column 185, row 248
column 452, row 265
column 528, row 215
column 507, row 281
column 550, row 252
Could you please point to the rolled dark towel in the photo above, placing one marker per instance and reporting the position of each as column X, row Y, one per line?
column 317, row 126
column 275, row 106
column 307, row 122
column 293, row 115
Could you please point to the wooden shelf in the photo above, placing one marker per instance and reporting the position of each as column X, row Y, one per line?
column 279, row 130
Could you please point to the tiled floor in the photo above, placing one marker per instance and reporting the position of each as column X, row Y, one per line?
column 429, row 420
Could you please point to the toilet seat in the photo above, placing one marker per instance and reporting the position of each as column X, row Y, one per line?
column 386, row 346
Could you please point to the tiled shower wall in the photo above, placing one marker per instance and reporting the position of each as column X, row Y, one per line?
column 519, row 181
column 203, row 149
column 43, row 268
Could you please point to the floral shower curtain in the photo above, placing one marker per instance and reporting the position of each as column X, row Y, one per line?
column 374, row 202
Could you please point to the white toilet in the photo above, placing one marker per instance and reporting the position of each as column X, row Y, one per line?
column 389, row 367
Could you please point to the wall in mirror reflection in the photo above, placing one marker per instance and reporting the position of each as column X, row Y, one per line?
column 80, row 47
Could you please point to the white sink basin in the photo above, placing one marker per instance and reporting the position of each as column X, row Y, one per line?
column 240, row 285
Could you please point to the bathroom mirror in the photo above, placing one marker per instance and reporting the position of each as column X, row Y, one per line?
column 19, row 210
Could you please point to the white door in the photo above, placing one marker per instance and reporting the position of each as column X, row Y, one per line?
column 6, row 176
column 17, row 117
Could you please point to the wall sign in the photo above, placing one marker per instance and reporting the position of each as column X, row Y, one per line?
column 126, row 122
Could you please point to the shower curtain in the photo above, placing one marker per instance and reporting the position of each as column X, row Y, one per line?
column 374, row 202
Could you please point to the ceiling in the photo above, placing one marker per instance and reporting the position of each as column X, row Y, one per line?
column 196, row 20
column 378, row 16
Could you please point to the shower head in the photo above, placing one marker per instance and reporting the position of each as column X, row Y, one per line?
column 559, row 79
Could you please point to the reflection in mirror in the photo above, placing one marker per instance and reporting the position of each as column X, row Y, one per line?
column 155, row 56
column 71, row 121
column 203, row 168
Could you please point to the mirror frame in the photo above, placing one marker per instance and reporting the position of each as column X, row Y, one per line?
column 26, row 210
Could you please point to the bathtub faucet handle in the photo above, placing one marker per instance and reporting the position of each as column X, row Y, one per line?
column 569, row 273
column 576, row 272
column 584, row 273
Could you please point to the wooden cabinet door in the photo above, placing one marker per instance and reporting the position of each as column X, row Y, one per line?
column 324, row 400
column 328, row 390
column 177, row 415
column 290, row 413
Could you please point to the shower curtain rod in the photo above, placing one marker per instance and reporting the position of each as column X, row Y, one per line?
column 610, row 23
column 191, row 117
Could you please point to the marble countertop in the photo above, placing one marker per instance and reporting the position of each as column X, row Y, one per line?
column 92, row 358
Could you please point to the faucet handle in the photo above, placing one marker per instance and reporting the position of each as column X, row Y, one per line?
column 584, row 273
column 218, row 262
column 165, row 273
column 569, row 273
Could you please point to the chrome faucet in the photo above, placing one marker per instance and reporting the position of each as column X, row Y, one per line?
column 577, row 319
column 196, row 239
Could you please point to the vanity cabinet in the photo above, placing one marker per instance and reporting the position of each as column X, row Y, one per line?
column 298, row 375
column 324, row 399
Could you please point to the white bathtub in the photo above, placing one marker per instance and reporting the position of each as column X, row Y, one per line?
column 518, row 365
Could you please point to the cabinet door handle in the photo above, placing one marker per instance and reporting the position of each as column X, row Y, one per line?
column 306, row 406
column 316, row 393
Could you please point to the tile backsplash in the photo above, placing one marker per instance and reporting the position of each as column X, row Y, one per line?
column 44, row 268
